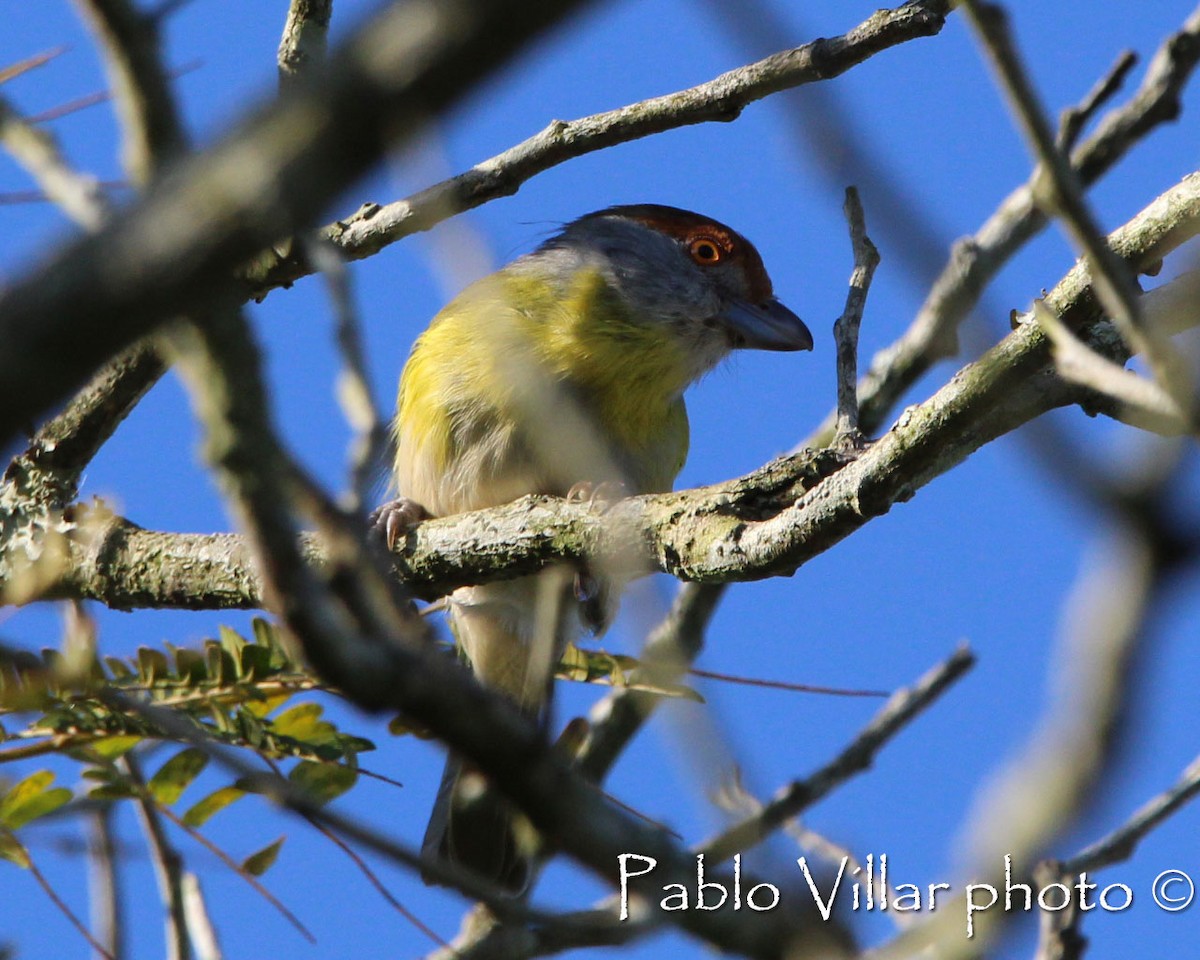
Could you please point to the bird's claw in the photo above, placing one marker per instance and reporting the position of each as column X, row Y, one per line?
column 600, row 495
column 392, row 520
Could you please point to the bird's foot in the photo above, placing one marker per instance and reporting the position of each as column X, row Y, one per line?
column 392, row 520
column 600, row 495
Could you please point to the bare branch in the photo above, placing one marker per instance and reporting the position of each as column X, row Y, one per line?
column 21, row 67
column 370, row 441
column 305, row 33
column 78, row 195
column 721, row 100
column 1139, row 401
column 866, row 259
column 1120, row 845
column 168, row 865
column 668, row 651
column 273, row 174
column 1058, row 190
column 903, row 706
column 128, row 41
column 239, row 869
column 764, row 524
column 1074, row 119
column 104, row 883
column 973, row 262
column 204, row 934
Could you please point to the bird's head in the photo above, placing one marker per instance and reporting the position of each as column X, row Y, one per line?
column 687, row 274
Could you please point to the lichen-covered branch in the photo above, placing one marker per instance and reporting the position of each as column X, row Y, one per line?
column 767, row 523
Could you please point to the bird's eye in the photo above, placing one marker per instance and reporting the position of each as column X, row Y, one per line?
column 705, row 251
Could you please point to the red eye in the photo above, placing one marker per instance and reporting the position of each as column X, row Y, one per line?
column 705, row 251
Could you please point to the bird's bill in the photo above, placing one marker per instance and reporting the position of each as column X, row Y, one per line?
column 766, row 326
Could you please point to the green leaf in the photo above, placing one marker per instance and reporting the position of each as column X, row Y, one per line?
column 110, row 748
column 39, row 806
column 176, row 774
column 116, row 790
column 323, row 782
column 190, row 666
column 201, row 812
column 266, row 634
column 119, row 669
column 221, row 668
column 152, row 666
column 616, row 670
column 31, row 799
column 303, row 722
column 24, row 791
column 259, row 863
column 12, row 850
column 255, row 662
column 260, row 708
column 233, row 642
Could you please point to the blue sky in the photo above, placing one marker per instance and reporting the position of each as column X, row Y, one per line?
column 985, row 554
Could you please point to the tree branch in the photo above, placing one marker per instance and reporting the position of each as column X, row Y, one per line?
column 265, row 181
column 767, row 523
column 722, row 99
column 975, row 260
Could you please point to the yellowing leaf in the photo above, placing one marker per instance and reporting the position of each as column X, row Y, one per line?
column 615, row 670
column 31, row 799
column 22, row 792
column 303, row 722
column 200, row 813
column 176, row 774
column 112, row 747
column 12, row 850
column 260, row 708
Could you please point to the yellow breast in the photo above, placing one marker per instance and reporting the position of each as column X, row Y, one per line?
column 520, row 386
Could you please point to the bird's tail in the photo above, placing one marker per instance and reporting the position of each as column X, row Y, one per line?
column 473, row 827
column 513, row 634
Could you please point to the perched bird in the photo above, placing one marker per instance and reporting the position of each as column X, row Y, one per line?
column 561, row 374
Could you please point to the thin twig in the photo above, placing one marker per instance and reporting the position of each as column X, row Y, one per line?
column 1059, row 937
column 21, row 67
column 1140, row 401
column 104, row 882
column 288, row 796
column 1059, row 191
column 1073, row 745
column 369, row 443
column 256, row 884
column 668, row 651
column 79, row 196
column 98, row 97
column 1120, row 844
column 66, row 911
column 973, row 262
column 365, row 870
column 168, row 865
column 1072, row 120
column 141, row 90
column 784, row 685
column 721, row 100
column 845, row 330
column 903, row 707
column 1009, row 386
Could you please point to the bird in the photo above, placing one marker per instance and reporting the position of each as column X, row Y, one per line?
column 562, row 374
